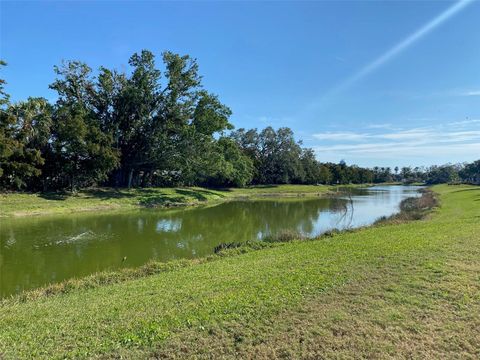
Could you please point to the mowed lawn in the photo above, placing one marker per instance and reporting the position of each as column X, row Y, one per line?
column 401, row 291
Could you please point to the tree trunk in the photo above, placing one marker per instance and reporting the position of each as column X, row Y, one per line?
column 146, row 178
column 130, row 177
column 72, row 183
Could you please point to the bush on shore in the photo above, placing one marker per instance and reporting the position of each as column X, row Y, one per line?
column 412, row 209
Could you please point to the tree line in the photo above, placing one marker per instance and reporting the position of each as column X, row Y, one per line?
column 443, row 174
column 152, row 127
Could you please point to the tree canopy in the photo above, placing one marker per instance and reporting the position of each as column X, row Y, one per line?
column 158, row 126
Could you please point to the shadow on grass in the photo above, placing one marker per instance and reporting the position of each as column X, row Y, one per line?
column 201, row 195
column 263, row 187
column 149, row 197
column 103, row 194
column 161, row 200
column 60, row 196
column 474, row 188
column 154, row 198
column 106, row 194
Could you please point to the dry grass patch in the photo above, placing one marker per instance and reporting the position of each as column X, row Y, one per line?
column 424, row 308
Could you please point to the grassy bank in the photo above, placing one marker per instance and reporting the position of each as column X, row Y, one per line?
column 22, row 204
column 398, row 290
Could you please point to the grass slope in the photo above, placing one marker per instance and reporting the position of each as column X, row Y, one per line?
column 407, row 290
column 22, row 204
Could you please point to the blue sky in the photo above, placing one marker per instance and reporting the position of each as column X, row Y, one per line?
column 371, row 82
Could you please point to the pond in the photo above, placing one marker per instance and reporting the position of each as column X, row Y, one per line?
column 35, row 251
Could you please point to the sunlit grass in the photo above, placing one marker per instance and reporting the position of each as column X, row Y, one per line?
column 406, row 290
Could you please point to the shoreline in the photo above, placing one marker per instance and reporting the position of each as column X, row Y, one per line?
column 109, row 277
column 17, row 204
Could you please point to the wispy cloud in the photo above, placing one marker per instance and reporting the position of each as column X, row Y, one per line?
column 417, row 134
column 390, row 54
column 472, row 93
column 340, row 136
column 340, row 59
column 410, row 150
column 381, row 126
column 408, row 41
column 412, row 134
column 464, row 123
column 454, row 139
column 441, row 94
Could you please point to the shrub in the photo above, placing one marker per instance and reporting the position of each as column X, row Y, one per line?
column 412, row 208
column 284, row 236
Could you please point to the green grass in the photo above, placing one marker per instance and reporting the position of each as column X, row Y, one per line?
column 23, row 204
column 408, row 290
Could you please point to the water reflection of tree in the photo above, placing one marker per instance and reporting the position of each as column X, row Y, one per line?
column 242, row 221
column 35, row 257
column 347, row 210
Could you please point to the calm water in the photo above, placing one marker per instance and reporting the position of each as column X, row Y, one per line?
column 38, row 250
